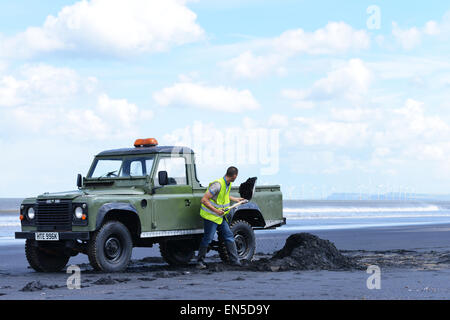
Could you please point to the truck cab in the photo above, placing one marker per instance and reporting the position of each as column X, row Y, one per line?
column 136, row 197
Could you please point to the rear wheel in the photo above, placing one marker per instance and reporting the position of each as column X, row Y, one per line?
column 110, row 248
column 177, row 252
column 45, row 259
column 244, row 237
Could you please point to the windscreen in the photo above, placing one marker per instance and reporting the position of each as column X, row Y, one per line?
column 121, row 167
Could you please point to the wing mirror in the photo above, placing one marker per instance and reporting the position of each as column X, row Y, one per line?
column 79, row 181
column 163, row 178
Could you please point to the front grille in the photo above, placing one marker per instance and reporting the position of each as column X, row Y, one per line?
column 54, row 215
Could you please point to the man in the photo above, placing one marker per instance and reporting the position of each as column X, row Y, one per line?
column 213, row 210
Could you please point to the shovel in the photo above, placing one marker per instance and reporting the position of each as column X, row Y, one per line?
column 237, row 204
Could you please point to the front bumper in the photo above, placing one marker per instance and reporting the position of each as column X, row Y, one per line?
column 62, row 235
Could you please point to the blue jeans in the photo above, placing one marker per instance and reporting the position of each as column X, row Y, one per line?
column 210, row 228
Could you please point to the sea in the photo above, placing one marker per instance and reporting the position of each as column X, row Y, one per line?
column 305, row 215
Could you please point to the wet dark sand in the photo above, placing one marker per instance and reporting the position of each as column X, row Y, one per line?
column 414, row 262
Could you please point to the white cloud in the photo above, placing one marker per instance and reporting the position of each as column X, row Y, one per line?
column 402, row 66
column 405, row 134
column 334, row 38
column 109, row 27
column 247, row 65
column 49, row 101
column 357, row 114
column 350, row 81
column 84, row 124
column 196, row 95
column 42, row 84
column 406, row 140
column 3, row 66
column 433, row 152
column 408, row 129
column 109, row 118
column 417, row 124
column 278, row 121
column 410, row 38
column 381, row 152
column 431, row 28
column 120, row 111
column 8, row 91
column 310, row 132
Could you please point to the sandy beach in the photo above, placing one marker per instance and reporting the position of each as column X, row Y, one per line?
column 414, row 263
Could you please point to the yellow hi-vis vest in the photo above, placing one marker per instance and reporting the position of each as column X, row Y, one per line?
column 222, row 201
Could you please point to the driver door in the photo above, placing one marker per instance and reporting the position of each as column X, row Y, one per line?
column 173, row 203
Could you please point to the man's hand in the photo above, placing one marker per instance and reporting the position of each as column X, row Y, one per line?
column 221, row 212
column 236, row 199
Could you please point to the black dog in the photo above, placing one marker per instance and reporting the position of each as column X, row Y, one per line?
column 246, row 189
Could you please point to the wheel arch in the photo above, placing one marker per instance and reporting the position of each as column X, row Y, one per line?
column 249, row 212
column 122, row 212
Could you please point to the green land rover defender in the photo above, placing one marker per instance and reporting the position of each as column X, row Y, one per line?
column 136, row 197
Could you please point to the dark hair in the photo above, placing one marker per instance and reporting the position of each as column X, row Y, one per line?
column 232, row 171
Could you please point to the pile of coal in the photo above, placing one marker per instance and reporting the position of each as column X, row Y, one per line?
column 304, row 251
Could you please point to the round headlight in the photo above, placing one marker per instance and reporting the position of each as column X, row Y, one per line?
column 78, row 212
column 30, row 213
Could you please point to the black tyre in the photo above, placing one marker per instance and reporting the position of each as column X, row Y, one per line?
column 177, row 252
column 45, row 259
column 244, row 237
column 110, row 248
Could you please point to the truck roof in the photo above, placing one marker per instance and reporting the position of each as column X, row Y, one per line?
column 145, row 150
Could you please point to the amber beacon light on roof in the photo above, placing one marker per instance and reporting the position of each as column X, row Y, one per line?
column 150, row 142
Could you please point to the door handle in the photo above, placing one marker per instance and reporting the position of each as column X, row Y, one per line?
column 187, row 202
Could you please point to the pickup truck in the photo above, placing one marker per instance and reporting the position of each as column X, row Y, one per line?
column 136, row 197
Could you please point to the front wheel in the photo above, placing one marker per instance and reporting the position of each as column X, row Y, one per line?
column 244, row 237
column 45, row 259
column 110, row 248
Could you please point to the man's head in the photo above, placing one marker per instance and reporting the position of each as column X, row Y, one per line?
column 232, row 173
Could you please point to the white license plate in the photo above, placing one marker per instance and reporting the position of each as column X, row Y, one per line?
column 47, row 236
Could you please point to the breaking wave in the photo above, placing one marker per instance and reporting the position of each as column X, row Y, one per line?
column 429, row 208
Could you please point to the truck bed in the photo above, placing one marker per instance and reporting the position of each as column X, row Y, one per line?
column 268, row 198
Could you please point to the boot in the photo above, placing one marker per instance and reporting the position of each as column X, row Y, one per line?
column 232, row 253
column 201, row 258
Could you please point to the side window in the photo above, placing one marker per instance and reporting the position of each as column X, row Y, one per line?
column 176, row 170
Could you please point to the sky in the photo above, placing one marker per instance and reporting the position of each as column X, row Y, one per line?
column 316, row 96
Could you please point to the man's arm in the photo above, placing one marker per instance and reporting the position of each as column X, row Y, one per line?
column 234, row 199
column 205, row 200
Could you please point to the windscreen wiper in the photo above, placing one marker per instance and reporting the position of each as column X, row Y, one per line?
column 107, row 174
